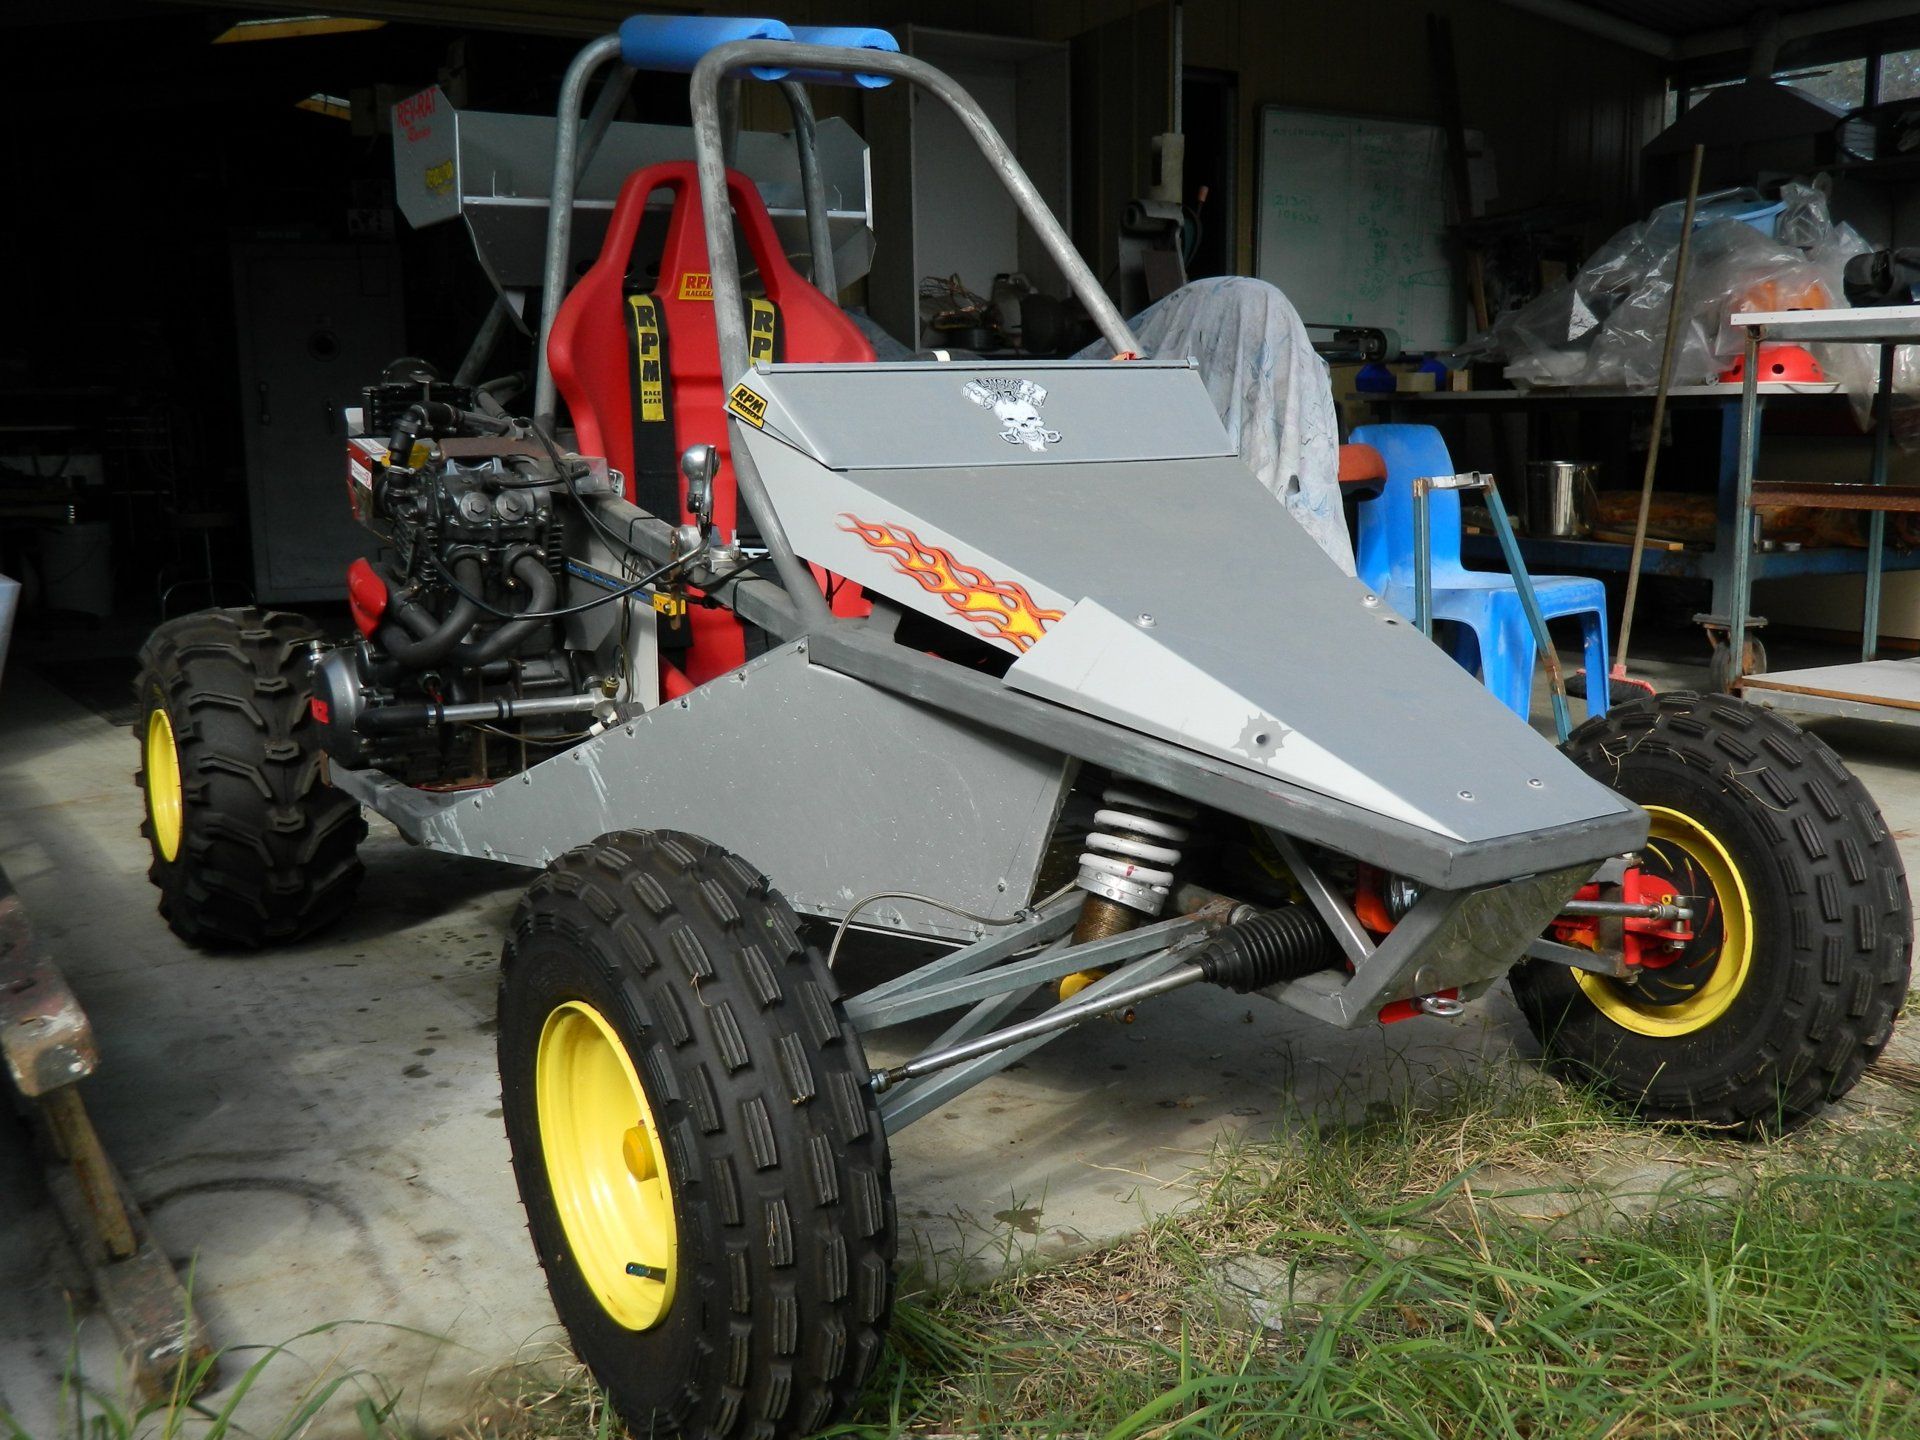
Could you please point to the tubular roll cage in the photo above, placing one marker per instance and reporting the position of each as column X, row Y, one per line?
column 1481, row 894
column 714, row 98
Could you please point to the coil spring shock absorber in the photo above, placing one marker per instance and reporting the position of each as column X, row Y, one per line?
column 1127, row 867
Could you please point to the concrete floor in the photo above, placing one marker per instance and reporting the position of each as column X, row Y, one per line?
column 315, row 1132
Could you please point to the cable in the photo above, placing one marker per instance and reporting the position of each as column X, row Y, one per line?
column 727, row 576
column 1025, row 913
column 524, row 739
column 571, row 481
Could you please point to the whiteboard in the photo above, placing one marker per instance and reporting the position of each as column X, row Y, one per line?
column 1352, row 222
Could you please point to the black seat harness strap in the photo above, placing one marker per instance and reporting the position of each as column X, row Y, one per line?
column 656, row 485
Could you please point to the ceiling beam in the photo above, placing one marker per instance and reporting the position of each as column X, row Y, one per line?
column 1597, row 22
column 527, row 17
column 1799, row 25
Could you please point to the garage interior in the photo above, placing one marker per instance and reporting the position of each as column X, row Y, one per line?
column 213, row 260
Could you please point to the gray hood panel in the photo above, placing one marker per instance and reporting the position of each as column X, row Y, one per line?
column 1179, row 599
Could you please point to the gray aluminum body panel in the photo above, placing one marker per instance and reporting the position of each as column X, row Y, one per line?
column 1195, row 609
column 1451, row 939
column 1418, row 854
column 834, row 788
column 899, row 416
column 496, row 171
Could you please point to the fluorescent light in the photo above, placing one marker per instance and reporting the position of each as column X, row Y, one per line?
column 331, row 105
column 289, row 27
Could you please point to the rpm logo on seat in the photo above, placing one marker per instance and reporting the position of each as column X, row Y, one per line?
column 1017, row 405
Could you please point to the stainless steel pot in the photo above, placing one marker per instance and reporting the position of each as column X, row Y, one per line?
column 1556, row 496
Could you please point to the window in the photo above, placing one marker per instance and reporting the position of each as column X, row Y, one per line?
column 1842, row 84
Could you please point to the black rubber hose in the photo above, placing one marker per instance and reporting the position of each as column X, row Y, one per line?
column 418, row 417
column 414, row 644
column 1272, row 947
column 418, row 621
column 530, row 568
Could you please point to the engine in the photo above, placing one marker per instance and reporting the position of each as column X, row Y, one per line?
column 460, row 673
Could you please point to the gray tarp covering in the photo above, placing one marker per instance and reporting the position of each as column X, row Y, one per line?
column 1269, row 386
column 1261, row 372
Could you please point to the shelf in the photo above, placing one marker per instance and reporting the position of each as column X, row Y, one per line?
column 1596, row 394
column 1866, row 325
column 1866, row 690
column 1838, row 495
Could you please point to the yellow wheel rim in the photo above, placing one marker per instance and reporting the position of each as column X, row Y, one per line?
column 605, row 1165
column 1707, row 986
column 163, row 784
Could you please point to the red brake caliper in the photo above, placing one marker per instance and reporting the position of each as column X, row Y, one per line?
column 1646, row 943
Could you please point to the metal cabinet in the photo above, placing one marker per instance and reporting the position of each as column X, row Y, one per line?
column 939, row 208
column 316, row 322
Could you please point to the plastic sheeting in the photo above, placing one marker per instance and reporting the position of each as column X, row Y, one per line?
column 1607, row 325
column 1272, row 391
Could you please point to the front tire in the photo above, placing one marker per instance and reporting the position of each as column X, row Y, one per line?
column 250, row 846
column 703, row 1166
column 1803, row 936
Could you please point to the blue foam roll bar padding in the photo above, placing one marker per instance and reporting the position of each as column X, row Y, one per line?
column 846, row 37
column 678, row 42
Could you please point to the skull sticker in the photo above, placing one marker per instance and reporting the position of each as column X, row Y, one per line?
column 1017, row 404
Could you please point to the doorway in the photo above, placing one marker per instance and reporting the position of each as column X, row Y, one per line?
column 1210, row 109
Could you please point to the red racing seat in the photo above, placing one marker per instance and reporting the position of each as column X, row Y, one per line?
column 616, row 320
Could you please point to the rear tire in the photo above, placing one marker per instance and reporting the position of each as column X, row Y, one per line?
column 249, row 845
column 659, row 1017
column 1802, row 956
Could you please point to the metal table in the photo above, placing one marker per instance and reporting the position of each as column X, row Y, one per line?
column 1873, row 688
column 1717, row 566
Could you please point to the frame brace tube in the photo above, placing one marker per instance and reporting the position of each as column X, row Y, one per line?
column 1059, row 1018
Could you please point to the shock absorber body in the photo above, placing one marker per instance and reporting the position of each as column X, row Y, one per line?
column 1127, row 867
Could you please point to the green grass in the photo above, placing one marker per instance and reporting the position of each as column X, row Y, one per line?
column 1788, row 1308
column 93, row 1408
column 1792, row 1310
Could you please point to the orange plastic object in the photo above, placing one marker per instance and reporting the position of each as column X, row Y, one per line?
column 1793, row 364
column 1362, row 467
column 1785, row 292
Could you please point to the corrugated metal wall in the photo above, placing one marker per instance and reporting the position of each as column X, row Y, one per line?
column 1565, row 113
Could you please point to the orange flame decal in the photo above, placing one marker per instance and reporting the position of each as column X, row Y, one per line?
column 1003, row 608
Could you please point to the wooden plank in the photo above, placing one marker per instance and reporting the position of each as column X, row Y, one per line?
column 1893, row 683
column 44, row 1035
column 1654, row 542
column 164, row 1339
column 1838, row 495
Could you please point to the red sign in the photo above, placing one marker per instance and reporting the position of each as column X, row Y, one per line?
column 414, row 114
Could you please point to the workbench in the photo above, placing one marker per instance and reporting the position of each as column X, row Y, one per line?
column 1547, row 555
column 1873, row 688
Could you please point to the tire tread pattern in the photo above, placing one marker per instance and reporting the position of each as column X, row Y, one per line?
column 781, row 1182
column 1845, row 942
column 268, row 849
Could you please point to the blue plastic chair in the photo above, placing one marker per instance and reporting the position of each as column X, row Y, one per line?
column 1492, row 637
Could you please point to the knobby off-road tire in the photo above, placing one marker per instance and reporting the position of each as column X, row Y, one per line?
column 679, row 1079
column 1802, row 948
column 250, row 845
